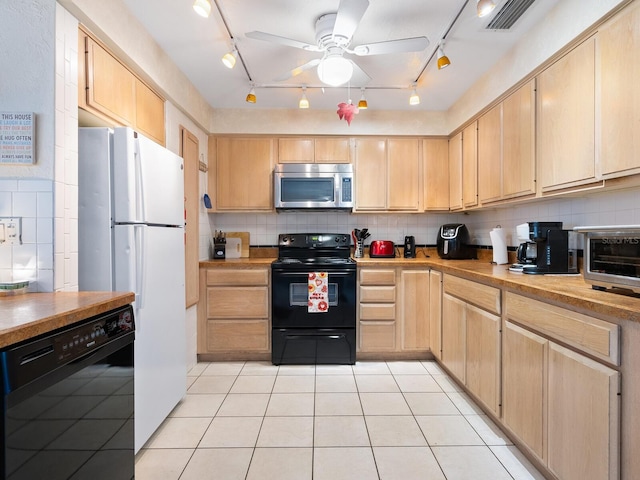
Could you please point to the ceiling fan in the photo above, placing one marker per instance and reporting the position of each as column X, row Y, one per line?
column 333, row 36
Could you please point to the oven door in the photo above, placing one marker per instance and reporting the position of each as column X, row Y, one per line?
column 289, row 300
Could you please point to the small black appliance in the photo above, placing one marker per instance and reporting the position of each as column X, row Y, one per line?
column 527, row 253
column 409, row 246
column 453, row 242
column 554, row 254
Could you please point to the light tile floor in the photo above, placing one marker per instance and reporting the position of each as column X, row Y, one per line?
column 374, row 420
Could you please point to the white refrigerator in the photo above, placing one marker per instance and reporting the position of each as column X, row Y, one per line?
column 131, row 238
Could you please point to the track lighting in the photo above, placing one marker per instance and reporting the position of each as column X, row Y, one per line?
column 229, row 58
column 251, row 96
column 414, row 99
column 202, row 7
column 304, row 102
column 443, row 60
column 362, row 104
column 485, row 7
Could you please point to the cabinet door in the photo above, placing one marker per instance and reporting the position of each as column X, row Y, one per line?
column 149, row 113
column 483, row 356
column 332, row 150
column 455, row 172
column 370, row 174
column 470, row 165
column 524, row 363
column 403, row 172
column 435, row 165
column 435, row 313
column 111, row 88
column 244, row 173
column 295, row 150
column 566, row 120
column 490, row 155
column 584, row 417
column 619, row 57
column 454, row 333
column 518, row 143
column 415, row 309
column 189, row 151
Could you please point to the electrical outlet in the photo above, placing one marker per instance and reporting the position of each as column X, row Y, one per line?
column 11, row 231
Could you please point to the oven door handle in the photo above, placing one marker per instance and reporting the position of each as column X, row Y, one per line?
column 318, row 334
column 305, row 274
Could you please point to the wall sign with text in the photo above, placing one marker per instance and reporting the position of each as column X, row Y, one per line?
column 17, row 138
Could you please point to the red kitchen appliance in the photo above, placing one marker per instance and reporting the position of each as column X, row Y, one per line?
column 382, row 249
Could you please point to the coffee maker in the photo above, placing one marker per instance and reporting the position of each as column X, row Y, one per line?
column 553, row 252
column 409, row 246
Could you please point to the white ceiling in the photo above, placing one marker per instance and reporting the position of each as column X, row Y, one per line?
column 197, row 44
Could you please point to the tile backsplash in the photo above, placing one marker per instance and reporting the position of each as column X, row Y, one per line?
column 621, row 207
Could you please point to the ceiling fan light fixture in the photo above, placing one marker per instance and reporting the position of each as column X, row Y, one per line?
column 251, row 96
column 229, row 58
column 485, row 7
column 202, row 8
column 414, row 99
column 335, row 70
column 443, row 60
column 304, row 101
column 362, row 104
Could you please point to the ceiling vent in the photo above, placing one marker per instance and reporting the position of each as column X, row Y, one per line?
column 509, row 14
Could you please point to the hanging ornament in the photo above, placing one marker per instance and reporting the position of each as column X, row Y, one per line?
column 347, row 110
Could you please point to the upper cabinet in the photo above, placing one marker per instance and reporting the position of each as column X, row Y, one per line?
column 619, row 60
column 470, row 165
column 388, row 174
column 566, row 120
column 242, row 173
column 506, row 147
column 314, row 150
column 455, row 172
column 435, row 157
column 111, row 92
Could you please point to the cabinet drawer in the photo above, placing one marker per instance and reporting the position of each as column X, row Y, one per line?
column 250, row 276
column 377, row 277
column 482, row 296
column 234, row 335
column 591, row 335
column 237, row 302
column 377, row 294
column 377, row 311
column 377, row 336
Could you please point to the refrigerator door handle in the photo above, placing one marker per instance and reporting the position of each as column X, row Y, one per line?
column 140, row 197
column 140, row 265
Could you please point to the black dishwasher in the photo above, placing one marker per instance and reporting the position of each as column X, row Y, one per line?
column 67, row 402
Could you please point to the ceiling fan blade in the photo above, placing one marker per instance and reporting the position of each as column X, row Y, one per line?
column 298, row 70
column 404, row 45
column 360, row 77
column 289, row 42
column 350, row 12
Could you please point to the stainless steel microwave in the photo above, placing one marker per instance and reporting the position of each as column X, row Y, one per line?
column 319, row 186
column 612, row 256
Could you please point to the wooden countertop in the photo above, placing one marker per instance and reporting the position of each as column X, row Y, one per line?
column 570, row 291
column 26, row 316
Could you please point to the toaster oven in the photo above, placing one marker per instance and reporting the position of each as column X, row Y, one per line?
column 612, row 256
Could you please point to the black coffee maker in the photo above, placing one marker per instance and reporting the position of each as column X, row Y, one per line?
column 552, row 249
column 409, row 246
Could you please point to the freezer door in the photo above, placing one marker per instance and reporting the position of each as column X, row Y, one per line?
column 150, row 262
column 148, row 183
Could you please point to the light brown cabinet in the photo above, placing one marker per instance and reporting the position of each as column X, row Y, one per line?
column 414, row 303
column 566, row 120
column 314, row 150
column 435, row 313
column 470, row 165
column 241, row 176
column 377, row 310
column 471, row 337
column 619, row 68
column 506, row 153
column 435, row 154
column 110, row 91
column 564, row 406
column 388, row 174
column 234, row 312
column 455, row 172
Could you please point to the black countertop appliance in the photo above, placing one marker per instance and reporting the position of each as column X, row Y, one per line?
column 453, row 242
column 409, row 246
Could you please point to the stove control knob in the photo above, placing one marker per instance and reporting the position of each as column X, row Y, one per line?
column 285, row 239
column 344, row 239
column 292, row 239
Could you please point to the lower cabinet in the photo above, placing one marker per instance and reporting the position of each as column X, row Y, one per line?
column 435, row 313
column 471, row 337
column 234, row 312
column 394, row 310
column 564, row 406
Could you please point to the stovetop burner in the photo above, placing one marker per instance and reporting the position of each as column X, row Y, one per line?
column 315, row 261
column 314, row 249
